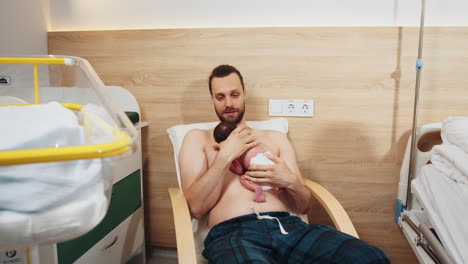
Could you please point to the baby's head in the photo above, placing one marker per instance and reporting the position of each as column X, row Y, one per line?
column 223, row 130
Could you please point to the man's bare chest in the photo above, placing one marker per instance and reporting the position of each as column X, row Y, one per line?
column 266, row 144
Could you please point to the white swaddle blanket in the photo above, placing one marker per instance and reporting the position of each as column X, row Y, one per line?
column 262, row 159
column 39, row 186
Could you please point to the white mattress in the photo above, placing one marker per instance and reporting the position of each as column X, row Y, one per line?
column 446, row 204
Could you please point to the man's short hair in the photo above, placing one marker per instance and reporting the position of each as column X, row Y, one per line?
column 223, row 71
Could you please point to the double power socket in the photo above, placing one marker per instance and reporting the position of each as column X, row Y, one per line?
column 291, row 107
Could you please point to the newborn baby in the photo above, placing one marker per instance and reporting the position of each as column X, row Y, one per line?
column 239, row 166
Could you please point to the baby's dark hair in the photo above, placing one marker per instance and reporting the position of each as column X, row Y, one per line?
column 223, row 130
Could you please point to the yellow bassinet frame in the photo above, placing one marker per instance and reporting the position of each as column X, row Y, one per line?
column 120, row 145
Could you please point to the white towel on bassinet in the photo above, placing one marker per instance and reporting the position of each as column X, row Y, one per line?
column 78, row 216
column 39, row 126
column 39, row 186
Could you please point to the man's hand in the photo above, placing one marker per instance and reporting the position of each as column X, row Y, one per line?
column 238, row 142
column 277, row 175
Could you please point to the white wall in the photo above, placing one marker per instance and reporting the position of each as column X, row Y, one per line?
column 140, row 14
column 23, row 28
column 24, row 23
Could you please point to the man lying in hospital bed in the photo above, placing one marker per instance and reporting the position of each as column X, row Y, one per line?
column 240, row 234
column 442, row 188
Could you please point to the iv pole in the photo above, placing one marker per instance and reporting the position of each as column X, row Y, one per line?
column 419, row 66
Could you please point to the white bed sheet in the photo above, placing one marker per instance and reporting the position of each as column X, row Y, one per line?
column 446, row 204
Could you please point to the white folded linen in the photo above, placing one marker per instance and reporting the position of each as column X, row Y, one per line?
column 60, row 223
column 451, row 161
column 445, row 202
column 454, row 131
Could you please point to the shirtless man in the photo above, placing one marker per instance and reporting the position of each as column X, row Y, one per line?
column 237, row 235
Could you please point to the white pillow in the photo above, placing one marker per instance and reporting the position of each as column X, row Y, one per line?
column 454, row 131
column 177, row 133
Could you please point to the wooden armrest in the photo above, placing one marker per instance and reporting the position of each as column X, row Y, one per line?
column 183, row 227
column 334, row 209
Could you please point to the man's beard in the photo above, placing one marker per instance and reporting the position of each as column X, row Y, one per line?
column 235, row 121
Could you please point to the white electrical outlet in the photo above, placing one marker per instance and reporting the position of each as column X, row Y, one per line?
column 286, row 107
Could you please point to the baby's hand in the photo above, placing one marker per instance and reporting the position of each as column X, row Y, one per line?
column 237, row 143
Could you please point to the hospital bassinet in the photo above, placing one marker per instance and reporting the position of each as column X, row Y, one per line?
column 58, row 149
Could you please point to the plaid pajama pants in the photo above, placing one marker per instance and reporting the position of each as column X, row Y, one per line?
column 245, row 239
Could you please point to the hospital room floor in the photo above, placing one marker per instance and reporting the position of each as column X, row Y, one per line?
column 161, row 255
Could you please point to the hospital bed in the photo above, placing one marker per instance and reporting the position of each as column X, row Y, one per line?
column 435, row 223
column 111, row 233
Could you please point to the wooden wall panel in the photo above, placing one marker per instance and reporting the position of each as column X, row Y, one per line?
column 361, row 78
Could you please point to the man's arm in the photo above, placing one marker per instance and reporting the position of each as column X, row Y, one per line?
column 202, row 184
column 297, row 196
column 283, row 174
